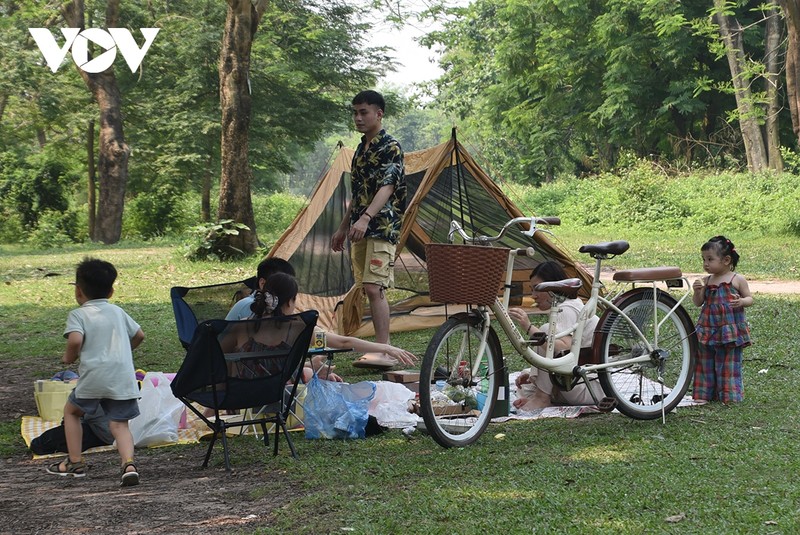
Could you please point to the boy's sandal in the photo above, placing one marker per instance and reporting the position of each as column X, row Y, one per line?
column 131, row 478
column 70, row 469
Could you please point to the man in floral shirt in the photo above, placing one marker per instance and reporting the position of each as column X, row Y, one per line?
column 372, row 222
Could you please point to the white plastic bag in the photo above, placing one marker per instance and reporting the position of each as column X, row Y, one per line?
column 390, row 405
column 159, row 412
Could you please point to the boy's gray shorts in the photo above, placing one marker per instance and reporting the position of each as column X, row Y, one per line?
column 117, row 410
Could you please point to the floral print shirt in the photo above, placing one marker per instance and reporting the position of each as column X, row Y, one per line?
column 381, row 164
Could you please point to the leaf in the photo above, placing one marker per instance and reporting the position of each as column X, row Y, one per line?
column 674, row 519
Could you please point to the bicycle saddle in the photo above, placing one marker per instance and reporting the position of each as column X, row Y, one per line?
column 566, row 287
column 605, row 248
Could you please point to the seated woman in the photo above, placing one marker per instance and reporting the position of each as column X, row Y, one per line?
column 534, row 388
column 278, row 298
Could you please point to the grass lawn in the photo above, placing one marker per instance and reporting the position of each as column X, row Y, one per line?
column 712, row 468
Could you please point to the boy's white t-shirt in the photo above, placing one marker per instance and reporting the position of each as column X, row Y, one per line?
column 106, row 361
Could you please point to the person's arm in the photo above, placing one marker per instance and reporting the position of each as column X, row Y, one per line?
column 337, row 240
column 74, row 344
column 521, row 317
column 698, row 297
column 358, row 230
column 745, row 298
column 338, row 341
column 137, row 339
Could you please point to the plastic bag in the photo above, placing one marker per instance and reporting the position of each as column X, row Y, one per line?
column 390, row 405
column 159, row 412
column 337, row 410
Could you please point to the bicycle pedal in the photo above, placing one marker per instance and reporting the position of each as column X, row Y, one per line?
column 607, row 404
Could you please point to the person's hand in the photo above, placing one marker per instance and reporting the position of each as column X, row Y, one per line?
column 735, row 301
column 359, row 229
column 327, row 374
column 337, row 240
column 406, row 357
column 521, row 317
column 697, row 285
column 319, row 364
column 522, row 379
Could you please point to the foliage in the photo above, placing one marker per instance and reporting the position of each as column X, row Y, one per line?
column 54, row 230
column 208, row 241
column 551, row 87
column 274, row 213
column 646, row 197
column 156, row 213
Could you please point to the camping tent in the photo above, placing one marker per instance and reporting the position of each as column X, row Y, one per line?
column 444, row 184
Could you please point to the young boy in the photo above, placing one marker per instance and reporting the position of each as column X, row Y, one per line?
column 103, row 336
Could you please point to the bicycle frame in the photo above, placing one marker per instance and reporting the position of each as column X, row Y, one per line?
column 567, row 364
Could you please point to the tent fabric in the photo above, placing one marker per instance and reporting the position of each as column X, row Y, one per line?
column 444, row 183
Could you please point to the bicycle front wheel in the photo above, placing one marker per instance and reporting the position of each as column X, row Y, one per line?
column 458, row 382
column 670, row 332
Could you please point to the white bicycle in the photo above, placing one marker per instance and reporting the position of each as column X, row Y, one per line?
column 643, row 351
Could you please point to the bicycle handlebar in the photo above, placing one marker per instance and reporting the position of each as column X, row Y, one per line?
column 455, row 227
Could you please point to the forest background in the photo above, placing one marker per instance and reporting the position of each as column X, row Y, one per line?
column 649, row 109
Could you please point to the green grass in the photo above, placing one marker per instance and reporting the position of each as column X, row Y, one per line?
column 726, row 469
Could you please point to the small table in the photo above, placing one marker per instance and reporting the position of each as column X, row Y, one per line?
column 330, row 351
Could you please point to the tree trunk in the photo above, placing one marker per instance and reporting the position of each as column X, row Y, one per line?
column 3, row 102
column 113, row 154
column 91, row 185
column 235, row 203
column 791, row 12
column 772, row 43
column 205, row 200
column 731, row 32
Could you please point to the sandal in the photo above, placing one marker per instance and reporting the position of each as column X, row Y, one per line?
column 70, row 469
column 131, row 478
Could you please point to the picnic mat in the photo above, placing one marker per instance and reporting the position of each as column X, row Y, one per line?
column 565, row 411
column 33, row 426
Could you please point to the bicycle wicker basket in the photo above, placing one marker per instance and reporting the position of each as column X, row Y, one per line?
column 465, row 274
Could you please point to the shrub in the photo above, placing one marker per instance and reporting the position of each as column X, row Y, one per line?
column 156, row 213
column 54, row 230
column 11, row 228
column 207, row 241
column 274, row 213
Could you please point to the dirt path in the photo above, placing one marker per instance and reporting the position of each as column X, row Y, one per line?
column 776, row 287
column 176, row 496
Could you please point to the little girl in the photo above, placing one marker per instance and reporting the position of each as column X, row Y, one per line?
column 722, row 329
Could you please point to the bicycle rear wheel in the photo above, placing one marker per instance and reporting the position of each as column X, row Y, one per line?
column 635, row 386
column 457, row 404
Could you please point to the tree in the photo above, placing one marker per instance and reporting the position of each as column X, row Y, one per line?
column 310, row 61
column 241, row 23
column 731, row 32
column 113, row 151
column 791, row 13
column 553, row 86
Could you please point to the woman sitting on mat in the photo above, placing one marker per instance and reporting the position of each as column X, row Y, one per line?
column 534, row 388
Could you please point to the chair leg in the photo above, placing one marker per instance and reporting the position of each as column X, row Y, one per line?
column 225, row 449
column 214, row 432
column 281, row 424
column 266, row 434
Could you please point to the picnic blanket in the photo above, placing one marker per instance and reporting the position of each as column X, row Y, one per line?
column 564, row 411
column 33, row 426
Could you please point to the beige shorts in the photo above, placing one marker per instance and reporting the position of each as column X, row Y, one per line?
column 373, row 262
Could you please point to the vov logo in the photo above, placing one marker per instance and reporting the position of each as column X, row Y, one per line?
column 112, row 40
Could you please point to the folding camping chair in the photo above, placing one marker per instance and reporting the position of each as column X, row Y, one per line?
column 193, row 305
column 236, row 365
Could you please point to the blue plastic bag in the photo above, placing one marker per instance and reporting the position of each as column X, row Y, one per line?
column 336, row 410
